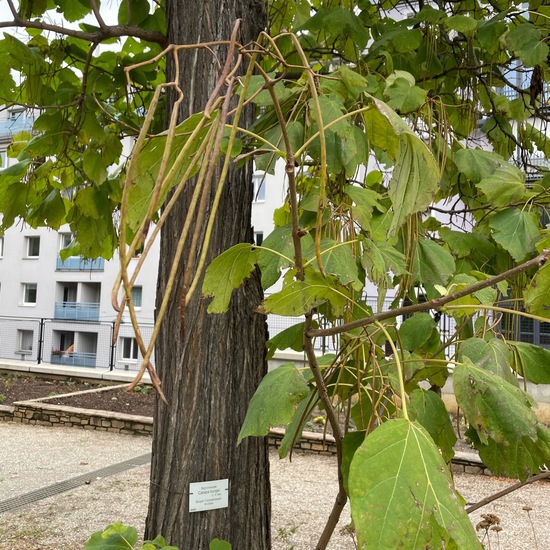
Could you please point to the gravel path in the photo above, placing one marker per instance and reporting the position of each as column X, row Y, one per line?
column 303, row 492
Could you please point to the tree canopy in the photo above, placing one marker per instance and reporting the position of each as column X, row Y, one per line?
column 414, row 138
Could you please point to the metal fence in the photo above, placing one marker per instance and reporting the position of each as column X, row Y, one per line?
column 90, row 344
column 71, row 343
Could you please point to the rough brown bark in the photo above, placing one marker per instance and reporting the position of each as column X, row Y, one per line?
column 210, row 365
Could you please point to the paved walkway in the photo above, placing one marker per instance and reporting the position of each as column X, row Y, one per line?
column 35, row 460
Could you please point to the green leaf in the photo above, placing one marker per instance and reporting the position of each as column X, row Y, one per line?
column 133, row 12
column 227, row 272
column 270, row 263
column 516, row 231
column 275, row 401
column 22, row 54
column 351, row 442
column 504, row 186
column 532, row 362
column 380, row 132
column 486, row 296
column 525, row 41
column 461, row 23
column 428, row 409
column 338, row 260
column 536, row 294
column 73, row 10
column 294, row 429
column 218, row 544
column 300, row 297
column 416, row 331
column 493, row 356
column 292, row 337
column 495, row 408
column 114, row 537
column 402, row 495
column 415, row 180
column 433, row 263
column 365, row 200
column 93, row 166
column 519, row 459
column 477, row 164
column 404, row 96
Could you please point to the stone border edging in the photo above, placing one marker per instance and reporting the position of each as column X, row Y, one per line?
column 36, row 412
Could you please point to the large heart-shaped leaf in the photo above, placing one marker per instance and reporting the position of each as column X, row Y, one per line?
column 401, row 492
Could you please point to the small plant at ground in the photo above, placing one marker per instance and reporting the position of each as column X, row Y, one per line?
column 144, row 389
column 2, row 398
column 118, row 536
column 285, row 534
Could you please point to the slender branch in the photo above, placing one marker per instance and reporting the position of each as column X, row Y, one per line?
column 110, row 31
column 97, row 14
column 504, row 492
column 436, row 303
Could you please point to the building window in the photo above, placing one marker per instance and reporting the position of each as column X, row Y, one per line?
column 33, row 247
column 259, row 188
column 1, row 247
column 29, row 294
column 129, row 349
column 258, row 238
column 65, row 240
column 3, row 159
column 26, row 338
column 136, row 296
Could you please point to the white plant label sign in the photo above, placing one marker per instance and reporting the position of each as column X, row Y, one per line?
column 208, row 495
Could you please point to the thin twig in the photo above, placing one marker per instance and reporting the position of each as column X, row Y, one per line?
column 508, row 490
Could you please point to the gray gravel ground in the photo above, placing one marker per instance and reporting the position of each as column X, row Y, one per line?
column 303, row 492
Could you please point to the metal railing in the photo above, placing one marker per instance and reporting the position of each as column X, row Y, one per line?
column 78, row 263
column 77, row 311
column 74, row 359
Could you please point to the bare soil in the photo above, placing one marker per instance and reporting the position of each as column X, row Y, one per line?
column 15, row 387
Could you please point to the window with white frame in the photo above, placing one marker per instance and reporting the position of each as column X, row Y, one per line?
column 29, row 294
column 33, row 247
column 25, row 338
column 1, row 247
column 3, row 159
column 258, row 238
column 129, row 348
column 137, row 292
column 259, row 187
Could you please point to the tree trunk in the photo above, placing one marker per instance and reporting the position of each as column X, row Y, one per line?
column 210, row 365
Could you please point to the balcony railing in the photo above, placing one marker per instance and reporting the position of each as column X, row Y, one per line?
column 77, row 263
column 74, row 359
column 77, row 311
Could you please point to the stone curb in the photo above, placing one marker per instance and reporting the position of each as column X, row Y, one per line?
column 45, row 414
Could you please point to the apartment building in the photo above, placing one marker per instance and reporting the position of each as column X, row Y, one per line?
column 60, row 312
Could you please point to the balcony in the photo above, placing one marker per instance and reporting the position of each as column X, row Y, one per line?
column 77, row 311
column 78, row 263
column 74, row 359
